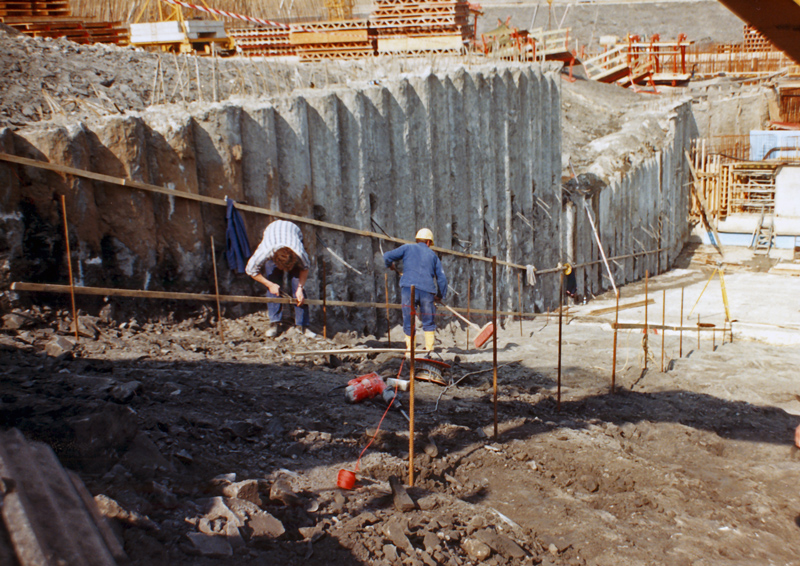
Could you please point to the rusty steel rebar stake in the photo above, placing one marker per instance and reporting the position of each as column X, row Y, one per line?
column 560, row 311
column 388, row 322
column 216, row 289
column 614, row 357
column 469, row 288
column 494, row 339
column 324, row 303
column 663, row 324
column 646, row 341
column 69, row 266
column 411, row 368
column 519, row 286
column 680, row 340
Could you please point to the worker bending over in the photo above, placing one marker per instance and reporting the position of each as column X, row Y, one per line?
column 281, row 252
column 422, row 268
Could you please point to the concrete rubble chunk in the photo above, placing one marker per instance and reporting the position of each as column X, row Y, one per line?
column 110, row 509
column 501, row 544
column 59, row 345
column 430, row 541
column 247, row 490
column 124, row 392
column 257, row 523
column 281, row 490
column 47, row 518
column 210, row 546
column 476, row 549
column 144, row 459
column 402, row 501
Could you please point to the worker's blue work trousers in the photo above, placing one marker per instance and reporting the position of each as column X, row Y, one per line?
column 425, row 309
column 272, row 273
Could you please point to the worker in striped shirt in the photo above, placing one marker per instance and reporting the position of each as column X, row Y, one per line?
column 281, row 252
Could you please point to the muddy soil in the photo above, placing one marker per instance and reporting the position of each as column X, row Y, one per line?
column 694, row 465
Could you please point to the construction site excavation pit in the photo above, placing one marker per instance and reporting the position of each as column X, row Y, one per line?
column 201, row 441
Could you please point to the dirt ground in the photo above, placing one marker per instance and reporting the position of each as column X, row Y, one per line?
column 694, row 465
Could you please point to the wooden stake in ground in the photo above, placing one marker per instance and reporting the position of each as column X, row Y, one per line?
column 494, row 339
column 216, row 288
column 411, row 393
column 69, row 265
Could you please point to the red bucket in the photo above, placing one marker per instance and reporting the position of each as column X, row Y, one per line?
column 346, row 479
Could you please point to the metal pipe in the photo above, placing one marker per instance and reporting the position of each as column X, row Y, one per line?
column 388, row 323
column 494, row 339
column 69, row 266
column 216, row 289
column 614, row 359
column 411, row 391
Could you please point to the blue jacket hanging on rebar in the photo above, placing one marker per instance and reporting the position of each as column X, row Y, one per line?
column 237, row 246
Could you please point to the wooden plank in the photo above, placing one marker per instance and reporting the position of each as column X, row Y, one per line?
column 634, row 305
column 141, row 294
column 345, row 36
column 400, row 44
column 704, row 327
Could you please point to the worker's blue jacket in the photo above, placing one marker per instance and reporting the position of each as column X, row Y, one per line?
column 420, row 266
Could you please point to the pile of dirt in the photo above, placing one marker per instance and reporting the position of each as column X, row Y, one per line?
column 229, row 446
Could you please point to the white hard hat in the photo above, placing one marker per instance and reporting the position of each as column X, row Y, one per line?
column 425, row 234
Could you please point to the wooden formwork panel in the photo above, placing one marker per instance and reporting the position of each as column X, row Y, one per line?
column 401, row 44
column 329, row 37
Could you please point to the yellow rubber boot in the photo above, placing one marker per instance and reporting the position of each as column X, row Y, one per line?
column 430, row 339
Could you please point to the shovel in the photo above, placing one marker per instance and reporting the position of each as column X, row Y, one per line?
column 484, row 333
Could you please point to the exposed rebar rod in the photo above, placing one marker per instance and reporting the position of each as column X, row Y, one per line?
column 614, row 358
column 388, row 322
column 680, row 348
column 69, row 266
column 411, row 392
column 663, row 322
column 216, row 289
column 560, row 311
column 494, row 340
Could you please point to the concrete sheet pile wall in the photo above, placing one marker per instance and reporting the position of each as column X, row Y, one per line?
column 474, row 154
column 640, row 210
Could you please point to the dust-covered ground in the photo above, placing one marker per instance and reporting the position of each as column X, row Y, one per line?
column 694, row 465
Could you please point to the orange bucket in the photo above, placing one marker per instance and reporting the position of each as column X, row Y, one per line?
column 346, row 479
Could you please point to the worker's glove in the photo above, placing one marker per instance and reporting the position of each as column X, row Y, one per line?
column 392, row 267
column 437, row 299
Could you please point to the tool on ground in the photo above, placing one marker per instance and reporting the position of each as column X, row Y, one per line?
column 364, row 387
column 430, row 370
column 484, row 333
column 346, row 479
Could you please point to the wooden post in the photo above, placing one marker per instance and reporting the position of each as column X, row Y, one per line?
column 411, row 393
column 388, row 323
column 216, row 288
column 69, row 266
column 521, row 310
column 494, row 339
column 663, row 322
column 324, row 302
column 614, row 358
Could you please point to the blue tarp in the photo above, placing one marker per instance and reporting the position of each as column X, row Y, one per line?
column 237, row 245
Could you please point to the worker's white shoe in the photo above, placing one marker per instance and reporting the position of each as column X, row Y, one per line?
column 305, row 331
column 273, row 331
